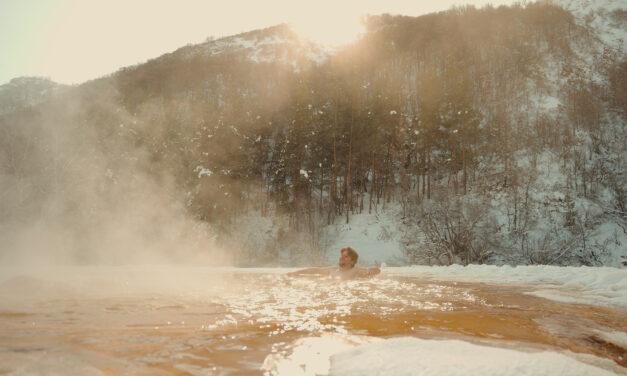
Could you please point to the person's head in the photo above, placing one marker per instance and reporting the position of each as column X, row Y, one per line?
column 348, row 257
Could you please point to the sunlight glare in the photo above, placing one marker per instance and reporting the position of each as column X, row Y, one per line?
column 330, row 30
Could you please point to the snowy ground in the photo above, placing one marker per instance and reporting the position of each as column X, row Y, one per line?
column 414, row 356
column 374, row 236
column 355, row 355
column 603, row 286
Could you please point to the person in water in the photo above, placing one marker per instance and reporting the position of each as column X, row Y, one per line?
column 346, row 268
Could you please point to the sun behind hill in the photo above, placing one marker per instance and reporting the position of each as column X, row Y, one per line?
column 330, row 29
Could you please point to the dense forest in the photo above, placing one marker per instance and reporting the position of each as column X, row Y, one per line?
column 498, row 134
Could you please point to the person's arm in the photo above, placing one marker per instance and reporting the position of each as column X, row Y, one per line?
column 368, row 272
column 320, row 271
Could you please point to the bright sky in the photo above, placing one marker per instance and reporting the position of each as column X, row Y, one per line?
column 71, row 41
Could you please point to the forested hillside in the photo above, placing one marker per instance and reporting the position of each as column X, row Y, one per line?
column 497, row 134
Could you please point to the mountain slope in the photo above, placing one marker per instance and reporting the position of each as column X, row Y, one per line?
column 490, row 135
column 606, row 19
column 23, row 92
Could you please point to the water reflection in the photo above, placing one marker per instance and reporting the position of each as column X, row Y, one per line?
column 197, row 321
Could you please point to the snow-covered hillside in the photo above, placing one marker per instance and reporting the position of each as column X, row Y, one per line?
column 606, row 19
column 278, row 44
column 492, row 135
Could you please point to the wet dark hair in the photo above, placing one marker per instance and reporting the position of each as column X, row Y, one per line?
column 351, row 252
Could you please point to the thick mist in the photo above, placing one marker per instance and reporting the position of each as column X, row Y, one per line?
column 78, row 186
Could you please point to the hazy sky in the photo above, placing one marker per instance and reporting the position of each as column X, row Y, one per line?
column 71, row 41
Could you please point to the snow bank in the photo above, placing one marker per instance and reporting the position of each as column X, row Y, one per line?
column 588, row 285
column 415, row 356
column 346, row 355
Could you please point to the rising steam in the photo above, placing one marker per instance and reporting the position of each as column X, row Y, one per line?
column 77, row 188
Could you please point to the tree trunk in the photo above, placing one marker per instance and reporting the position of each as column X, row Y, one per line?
column 372, row 185
column 348, row 170
column 454, row 171
column 334, row 183
column 321, row 187
column 429, row 172
column 583, row 176
column 465, row 177
column 424, row 170
column 261, row 195
column 362, row 184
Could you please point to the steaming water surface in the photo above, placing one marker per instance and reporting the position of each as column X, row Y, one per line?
column 199, row 321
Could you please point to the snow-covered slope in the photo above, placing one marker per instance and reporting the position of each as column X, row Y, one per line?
column 410, row 356
column 606, row 18
column 275, row 44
